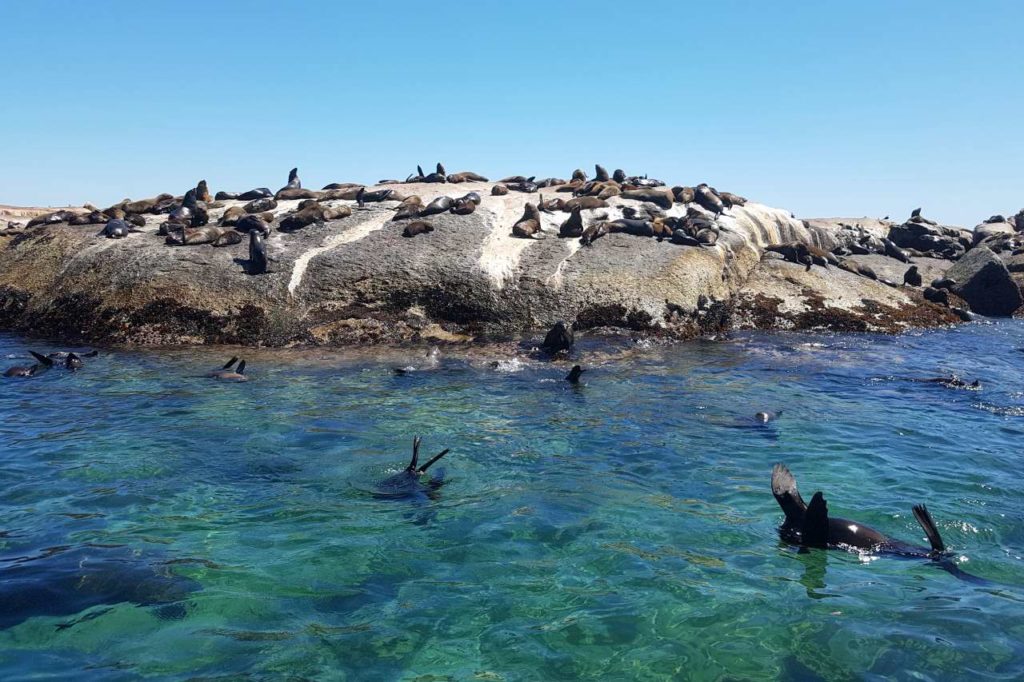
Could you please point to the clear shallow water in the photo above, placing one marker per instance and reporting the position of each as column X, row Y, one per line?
column 622, row 530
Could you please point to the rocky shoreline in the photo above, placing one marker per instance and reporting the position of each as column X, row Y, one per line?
column 665, row 262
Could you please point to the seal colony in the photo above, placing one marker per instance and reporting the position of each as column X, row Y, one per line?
column 414, row 260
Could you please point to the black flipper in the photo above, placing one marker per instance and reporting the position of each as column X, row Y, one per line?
column 930, row 529
column 419, row 170
column 423, row 469
column 230, row 362
column 815, row 529
column 786, row 494
column 45, row 361
column 415, row 454
column 241, row 367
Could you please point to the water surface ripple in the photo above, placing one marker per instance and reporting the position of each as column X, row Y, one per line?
column 620, row 530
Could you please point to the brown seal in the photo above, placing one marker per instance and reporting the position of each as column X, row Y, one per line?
column 707, row 199
column 528, row 227
column 228, row 238
column 410, row 208
column 343, row 185
column 260, row 205
column 463, row 206
column 593, row 233
column 730, row 199
column 600, row 174
column 662, row 198
column 585, row 203
column 573, row 226
column 231, row 216
column 203, row 192
column 683, row 195
column 499, row 191
column 292, row 193
column 417, row 227
column 579, row 175
column 466, row 176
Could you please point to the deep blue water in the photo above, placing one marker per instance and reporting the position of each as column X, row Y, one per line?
column 159, row 524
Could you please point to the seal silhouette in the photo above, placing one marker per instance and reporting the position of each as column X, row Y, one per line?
column 809, row 525
column 408, row 483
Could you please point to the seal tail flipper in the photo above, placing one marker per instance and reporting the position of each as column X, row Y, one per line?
column 423, row 469
column 241, row 367
column 815, row 529
column 415, row 454
column 230, row 362
column 43, row 360
column 930, row 529
column 786, row 494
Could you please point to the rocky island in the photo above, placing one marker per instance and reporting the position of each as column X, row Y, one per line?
column 457, row 258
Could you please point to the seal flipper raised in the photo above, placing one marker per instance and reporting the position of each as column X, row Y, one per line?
column 930, row 529
column 788, row 497
column 815, row 529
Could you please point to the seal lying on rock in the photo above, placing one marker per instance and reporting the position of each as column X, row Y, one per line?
column 116, row 229
column 409, row 208
column 466, row 176
column 441, row 204
column 408, row 483
column 417, row 227
column 809, row 525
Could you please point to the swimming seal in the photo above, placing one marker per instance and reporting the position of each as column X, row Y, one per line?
column 408, row 483
column 222, row 370
column 559, row 338
column 257, row 264
column 417, row 227
column 227, row 374
column 809, row 525
column 912, row 277
column 528, row 227
column 573, row 377
column 44, row 363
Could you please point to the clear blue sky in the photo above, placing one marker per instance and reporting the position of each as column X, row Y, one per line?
column 827, row 108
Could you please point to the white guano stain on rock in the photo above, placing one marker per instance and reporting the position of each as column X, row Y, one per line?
column 500, row 252
column 351, row 234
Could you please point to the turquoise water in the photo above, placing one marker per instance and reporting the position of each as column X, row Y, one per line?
column 620, row 530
